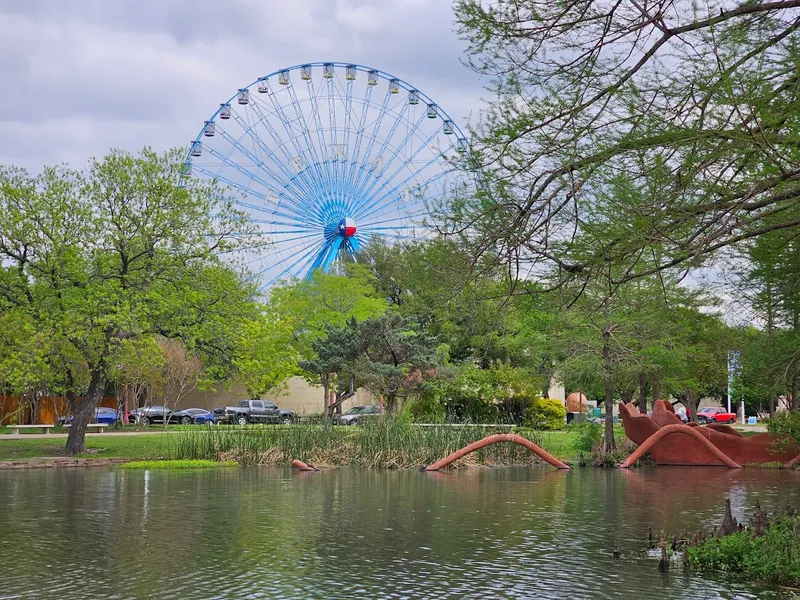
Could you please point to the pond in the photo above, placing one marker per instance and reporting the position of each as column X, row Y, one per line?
column 349, row 533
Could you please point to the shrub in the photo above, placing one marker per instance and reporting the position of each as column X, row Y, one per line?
column 588, row 435
column 545, row 413
column 786, row 423
column 771, row 558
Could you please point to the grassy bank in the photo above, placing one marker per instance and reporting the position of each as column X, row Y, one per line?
column 392, row 444
column 107, row 445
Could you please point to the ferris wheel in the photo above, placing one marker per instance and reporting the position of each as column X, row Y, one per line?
column 326, row 155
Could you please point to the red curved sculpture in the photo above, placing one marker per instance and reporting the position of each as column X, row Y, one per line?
column 493, row 439
column 681, row 429
column 794, row 462
column 301, row 466
column 757, row 449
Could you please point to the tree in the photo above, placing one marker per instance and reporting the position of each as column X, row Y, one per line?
column 310, row 307
column 387, row 355
column 121, row 251
column 264, row 357
column 137, row 367
column 693, row 106
column 182, row 371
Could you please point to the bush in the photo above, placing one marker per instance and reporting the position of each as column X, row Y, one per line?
column 545, row 413
column 588, row 435
column 771, row 558
column 785, row 423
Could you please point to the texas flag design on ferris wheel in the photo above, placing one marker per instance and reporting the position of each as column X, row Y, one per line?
column 347, row 227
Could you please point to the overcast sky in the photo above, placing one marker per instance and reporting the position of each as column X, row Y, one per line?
column 81, row 76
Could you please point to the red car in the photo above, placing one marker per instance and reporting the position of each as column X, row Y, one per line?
column 715, row 414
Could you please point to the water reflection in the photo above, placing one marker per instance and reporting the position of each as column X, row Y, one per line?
column 348, row 533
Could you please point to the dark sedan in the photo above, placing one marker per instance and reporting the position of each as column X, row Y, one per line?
column 188, row 416
column 149, row 414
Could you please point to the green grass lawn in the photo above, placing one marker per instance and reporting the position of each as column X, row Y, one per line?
column 107, row 445
column 163, row 445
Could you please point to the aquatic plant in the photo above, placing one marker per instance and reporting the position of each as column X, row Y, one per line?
column 390, row 443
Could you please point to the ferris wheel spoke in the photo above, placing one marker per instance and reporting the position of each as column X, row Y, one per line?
column 391, row 196
column 368, row 192
column 278, row 192
column 247, row 173
column 305, row 160
column 374, row 166
column 400, row 218
column 362, row 122
column 365, row 182
column 318, row 159
column 342, row 166
column 314, row 100
column 305, row 190
column 258, row 142
column 302, row 217
column 292, row 268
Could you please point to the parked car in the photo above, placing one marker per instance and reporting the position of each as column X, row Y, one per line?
column 715, row 414
column 149, row 414
column 102, row 415
column 358, row 414
column 253, row 411
column 187, row 416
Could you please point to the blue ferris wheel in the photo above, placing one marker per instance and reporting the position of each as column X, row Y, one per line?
column 324, row 156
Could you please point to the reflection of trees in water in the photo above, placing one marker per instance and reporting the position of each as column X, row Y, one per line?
column 229, row 529
column 690, row 498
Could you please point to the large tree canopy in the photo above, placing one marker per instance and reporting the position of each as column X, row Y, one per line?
column 96, row 259
column 665, row 129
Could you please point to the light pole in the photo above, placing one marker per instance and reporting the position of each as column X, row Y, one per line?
column 733, row 371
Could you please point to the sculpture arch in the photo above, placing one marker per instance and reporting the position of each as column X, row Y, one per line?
column 692, row 432
column 494, row 439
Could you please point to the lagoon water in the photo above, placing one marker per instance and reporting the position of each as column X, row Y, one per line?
column 349, row 533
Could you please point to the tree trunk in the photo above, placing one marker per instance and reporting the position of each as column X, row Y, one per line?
column 325, row 397
column 795, row 391
column 656, row 388
column 83, row 412
column 643, row 393
column 691, row 407
column 608, row 436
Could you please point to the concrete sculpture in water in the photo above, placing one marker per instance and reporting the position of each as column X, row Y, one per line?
column 671, row 442
column 493, row 439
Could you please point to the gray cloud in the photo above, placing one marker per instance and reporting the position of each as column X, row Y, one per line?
column 82, row 76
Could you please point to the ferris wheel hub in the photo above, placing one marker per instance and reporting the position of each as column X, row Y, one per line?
column 347, row 227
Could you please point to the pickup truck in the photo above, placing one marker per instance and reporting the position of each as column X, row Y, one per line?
column 715, row 414
column 253, row 411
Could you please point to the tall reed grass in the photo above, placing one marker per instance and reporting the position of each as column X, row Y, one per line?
column 392, row 444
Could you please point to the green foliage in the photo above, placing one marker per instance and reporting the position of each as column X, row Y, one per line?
column 101, row 259
column 468, row 393
column 545, row 413
column 387, row 355
column 390, row 443
column 308, row 307
column 785, row 423
column 588, row 436
column 263, row 356
column 771, row 558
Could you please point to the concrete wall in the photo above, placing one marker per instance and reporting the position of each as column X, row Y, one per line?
column 299, row 396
